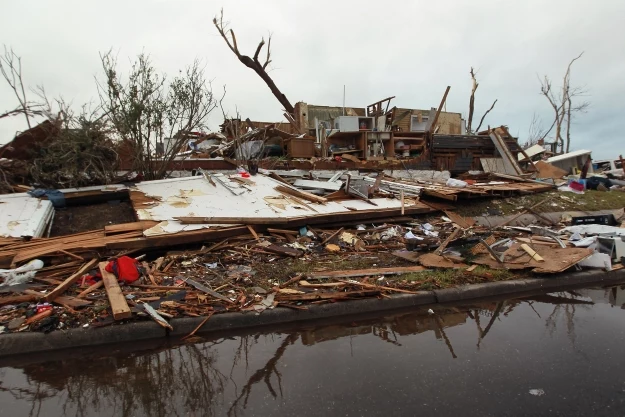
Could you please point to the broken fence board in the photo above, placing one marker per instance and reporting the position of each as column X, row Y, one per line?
column 118, row 303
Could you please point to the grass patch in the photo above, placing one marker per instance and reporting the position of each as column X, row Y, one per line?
column 446, row 278
column 591, row 200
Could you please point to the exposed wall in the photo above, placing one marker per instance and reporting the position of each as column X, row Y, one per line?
column 450, row 123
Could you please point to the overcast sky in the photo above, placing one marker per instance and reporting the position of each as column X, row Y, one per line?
column 410, row 49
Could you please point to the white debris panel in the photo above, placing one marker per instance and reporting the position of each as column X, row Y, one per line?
column 24, row 216
column 197, row 197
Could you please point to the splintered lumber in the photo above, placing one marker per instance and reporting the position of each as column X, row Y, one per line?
column 129, row 227
column 301, row 194
column 451, row 237
column 326, row 295
column 283, row 232
column 199, row 326
column 362, row 284
column 253, row 232
column 90, row 289
column 531, row 252
column 16, row 299
column 305, row 283
column 332, row 236
column 119, row 306
column 524, row 212
column 226, row 220
column 70, row 281
column 206, row 290
column 366, row 272
column 63, row 300
column 157, row 317
column 464, row 222
column 283, row 250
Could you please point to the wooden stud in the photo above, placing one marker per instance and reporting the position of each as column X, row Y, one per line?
column 118, row 303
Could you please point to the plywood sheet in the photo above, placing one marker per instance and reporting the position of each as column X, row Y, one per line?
column 555, row 259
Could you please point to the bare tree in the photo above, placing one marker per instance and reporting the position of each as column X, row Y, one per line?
column 485, row 114
column 153, row 116
column 472, row 99
column 11, row 70
column 253, row 63
column 562, row 105
column 474, row 87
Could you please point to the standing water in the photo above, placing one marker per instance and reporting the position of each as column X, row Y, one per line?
column 556, row 354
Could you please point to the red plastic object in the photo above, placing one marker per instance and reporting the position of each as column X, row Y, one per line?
column 577, row 186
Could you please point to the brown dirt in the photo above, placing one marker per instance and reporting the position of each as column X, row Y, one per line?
column 79, row 219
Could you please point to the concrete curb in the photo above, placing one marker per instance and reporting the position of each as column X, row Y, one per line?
column 21, row 343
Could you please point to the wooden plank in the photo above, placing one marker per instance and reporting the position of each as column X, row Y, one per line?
column 118, row 303
column 531, row 252
column 253, row 232
column 181, row 238
column 283, row 231
column 16, row 299
column 451, row 237
column 365, row 272
column 301, row 194
column 304, row 283
column 129, row 227
column 365, row 285
column 69, row 281
column 326, row 295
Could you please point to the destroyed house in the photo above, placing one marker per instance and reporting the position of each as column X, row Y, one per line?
column 364, row 137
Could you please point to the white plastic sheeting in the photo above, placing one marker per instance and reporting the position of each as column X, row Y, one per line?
column 196, row 197
column 24, row 216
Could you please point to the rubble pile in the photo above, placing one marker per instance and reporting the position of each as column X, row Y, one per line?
column 254, row 262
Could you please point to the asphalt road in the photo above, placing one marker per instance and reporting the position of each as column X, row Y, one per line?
column 561, row 354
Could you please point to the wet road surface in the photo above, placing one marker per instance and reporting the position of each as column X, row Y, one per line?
column 556, row 354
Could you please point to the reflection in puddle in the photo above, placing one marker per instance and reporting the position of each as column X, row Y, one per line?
column 233, row 375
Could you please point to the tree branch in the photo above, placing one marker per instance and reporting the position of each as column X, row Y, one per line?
column 485, row 114
column 254, row 64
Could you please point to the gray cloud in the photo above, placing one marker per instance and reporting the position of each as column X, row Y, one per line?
column 410, row 49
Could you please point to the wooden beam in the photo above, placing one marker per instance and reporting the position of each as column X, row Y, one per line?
column 440, row 108
column 69, row 281
column 118, row 303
